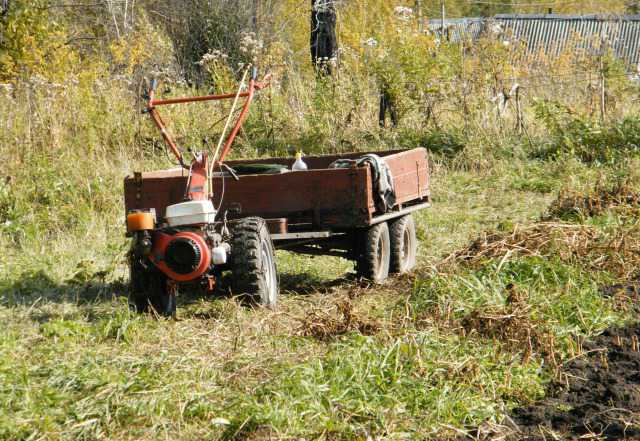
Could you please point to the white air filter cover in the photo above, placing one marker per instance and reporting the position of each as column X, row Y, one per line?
column 190, row 213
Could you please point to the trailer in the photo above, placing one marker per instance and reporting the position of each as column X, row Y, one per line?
column 191, row 224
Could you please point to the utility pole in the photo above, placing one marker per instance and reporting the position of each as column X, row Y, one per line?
column 419, row 14
column 442, row 20
column 254, row 16
column 323, row 41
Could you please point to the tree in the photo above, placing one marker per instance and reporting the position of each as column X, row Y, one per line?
column 33, row 42
column 323, row 41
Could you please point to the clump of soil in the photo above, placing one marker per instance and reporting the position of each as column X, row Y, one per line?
column 625, row 296
column 600, row 394
column 328, row 324
column 571, row 204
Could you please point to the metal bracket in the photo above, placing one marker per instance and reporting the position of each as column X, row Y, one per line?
column 137, row 179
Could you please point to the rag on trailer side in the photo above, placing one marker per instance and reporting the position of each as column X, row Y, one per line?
column 192, row 223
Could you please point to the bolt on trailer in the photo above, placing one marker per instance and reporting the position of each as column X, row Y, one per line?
column 191, row 224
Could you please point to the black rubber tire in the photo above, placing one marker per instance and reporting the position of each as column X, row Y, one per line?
column 404, row 244
column 253, row 260
column 374, row 257
column 148, row 290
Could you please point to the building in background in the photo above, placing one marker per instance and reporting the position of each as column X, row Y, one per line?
column 550, row 34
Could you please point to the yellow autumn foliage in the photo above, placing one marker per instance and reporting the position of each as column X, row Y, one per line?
column 32, row 43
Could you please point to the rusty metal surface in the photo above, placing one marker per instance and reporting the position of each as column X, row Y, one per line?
column 277, row 226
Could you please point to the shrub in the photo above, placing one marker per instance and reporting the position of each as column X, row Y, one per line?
column 583, row 136
column 32, row 42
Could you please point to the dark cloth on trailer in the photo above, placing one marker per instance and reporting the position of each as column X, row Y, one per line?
column 381, row 176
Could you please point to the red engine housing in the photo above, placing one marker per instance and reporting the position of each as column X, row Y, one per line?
column 161, row 243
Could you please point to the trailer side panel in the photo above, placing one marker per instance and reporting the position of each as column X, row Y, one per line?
column 336, row 198
column 320, row 198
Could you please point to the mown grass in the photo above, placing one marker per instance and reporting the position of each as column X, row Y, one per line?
column 76, row 364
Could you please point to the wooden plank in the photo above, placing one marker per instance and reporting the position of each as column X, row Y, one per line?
column 156, row 192
column 334, row 197
column 327, row 198
column 410, row 170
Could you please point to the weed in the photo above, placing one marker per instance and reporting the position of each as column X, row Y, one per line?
column 324, row 325
column 572, row 204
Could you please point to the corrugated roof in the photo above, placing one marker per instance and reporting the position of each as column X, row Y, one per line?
column 460, row 28
column 552, row 33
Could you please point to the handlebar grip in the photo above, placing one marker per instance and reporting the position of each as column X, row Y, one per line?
column 254, row 73
column 154, row 84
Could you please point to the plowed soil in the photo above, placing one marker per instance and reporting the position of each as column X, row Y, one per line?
column 600, row 397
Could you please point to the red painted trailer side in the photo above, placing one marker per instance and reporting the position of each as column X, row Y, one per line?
column 317, row 199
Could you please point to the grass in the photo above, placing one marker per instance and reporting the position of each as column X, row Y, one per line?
column 459, row 342
column 76, row 364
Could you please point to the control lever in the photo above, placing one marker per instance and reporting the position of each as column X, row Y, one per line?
column 231, row 171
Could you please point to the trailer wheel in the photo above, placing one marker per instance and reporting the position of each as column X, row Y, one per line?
column 148, row 290
column 254, row 265
column 374, row 258
column 404, row 244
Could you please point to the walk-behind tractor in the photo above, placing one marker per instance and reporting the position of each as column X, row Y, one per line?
column 191, row 224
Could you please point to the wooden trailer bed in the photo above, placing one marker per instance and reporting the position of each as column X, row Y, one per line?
column 307, row 204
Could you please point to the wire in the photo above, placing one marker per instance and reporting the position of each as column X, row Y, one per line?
column 222, row 119
column 486, row 2
column 233, row 106
column 214, row 158
column 222, row 193
column 186, row 190
column 524, row 80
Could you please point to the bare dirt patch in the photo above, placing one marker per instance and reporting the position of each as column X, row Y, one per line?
column 600, row 394
column 625, row 296
column 597, row 396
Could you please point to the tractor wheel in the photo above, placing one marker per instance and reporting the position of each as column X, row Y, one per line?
column 253, row 260
column 404, row 244
column 374, row 247
column 148, row 290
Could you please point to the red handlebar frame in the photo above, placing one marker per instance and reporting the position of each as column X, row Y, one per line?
column 152, row 110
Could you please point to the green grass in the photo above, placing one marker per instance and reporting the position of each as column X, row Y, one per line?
column 417, row 360
column 76, row 364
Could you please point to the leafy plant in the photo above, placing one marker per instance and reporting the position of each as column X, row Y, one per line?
column 589, row 139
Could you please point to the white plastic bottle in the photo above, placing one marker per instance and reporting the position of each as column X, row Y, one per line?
column 299, row 165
